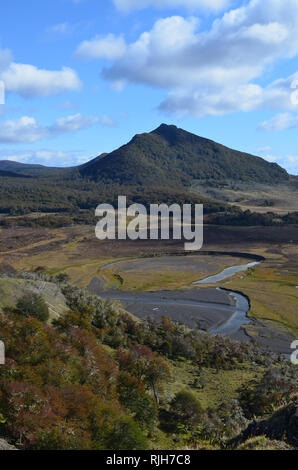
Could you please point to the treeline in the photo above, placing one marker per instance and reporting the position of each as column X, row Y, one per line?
column 237, row 217
column 49, row 221
column 72, row 195
column 73, row 200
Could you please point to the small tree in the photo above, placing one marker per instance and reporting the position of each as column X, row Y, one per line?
column 146, row 366
column 32, row 305
column 133, row 396
column 126, row 435
column 187, row 409
column 157, row 375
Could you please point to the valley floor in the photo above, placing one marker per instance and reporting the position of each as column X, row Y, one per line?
column 270, row 286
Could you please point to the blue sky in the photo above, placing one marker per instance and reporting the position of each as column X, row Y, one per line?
column 83, row 76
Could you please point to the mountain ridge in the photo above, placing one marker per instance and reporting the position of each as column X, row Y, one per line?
column 170, row 155
column 167, row 155
column 167, row 165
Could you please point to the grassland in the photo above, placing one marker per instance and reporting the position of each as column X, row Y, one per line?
column 214, row 386
column 169, row 273
column 272, row 290
column 211, row 387
column 257, row 197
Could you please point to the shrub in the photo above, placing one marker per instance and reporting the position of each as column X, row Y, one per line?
column 276, row 388
column 187, row 409
column 126, row 435
column 32, row 305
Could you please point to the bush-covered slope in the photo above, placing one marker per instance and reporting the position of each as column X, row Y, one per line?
column 171, row 156
column 95, row 378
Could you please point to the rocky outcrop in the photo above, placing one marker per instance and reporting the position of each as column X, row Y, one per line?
column 5, row 446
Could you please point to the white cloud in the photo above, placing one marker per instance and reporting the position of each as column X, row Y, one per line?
column 107, row 121
column 27, row 129
column 46, row 157
column 280, row 122
column 128, row 5
column 72, row 123
column 108, row 47
column 230, row 98
column 24, row 129
column 213, row 71
column 29, row 81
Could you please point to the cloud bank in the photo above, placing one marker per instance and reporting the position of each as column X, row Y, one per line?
column 46, row 157
column 280, row 122
column 27, row 130
column 207, row 72
column 108, row 47
column 30, row 82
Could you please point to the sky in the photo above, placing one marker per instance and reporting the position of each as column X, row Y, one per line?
column 82, row 77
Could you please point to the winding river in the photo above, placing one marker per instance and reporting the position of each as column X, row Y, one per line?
column 226, row 273
column 238, row 318
column 240, row 309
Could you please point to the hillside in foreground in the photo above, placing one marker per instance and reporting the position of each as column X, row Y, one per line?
column 95, row 378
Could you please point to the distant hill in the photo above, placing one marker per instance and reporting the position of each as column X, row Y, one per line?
column 11, row 174
column 170, row 156
column 28, row 169
column 8, row 165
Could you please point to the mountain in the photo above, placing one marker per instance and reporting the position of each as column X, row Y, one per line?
column 165, row 157
column 166, row 165
column 170, row 156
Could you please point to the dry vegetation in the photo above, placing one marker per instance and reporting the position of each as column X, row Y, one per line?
column 257, row 197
